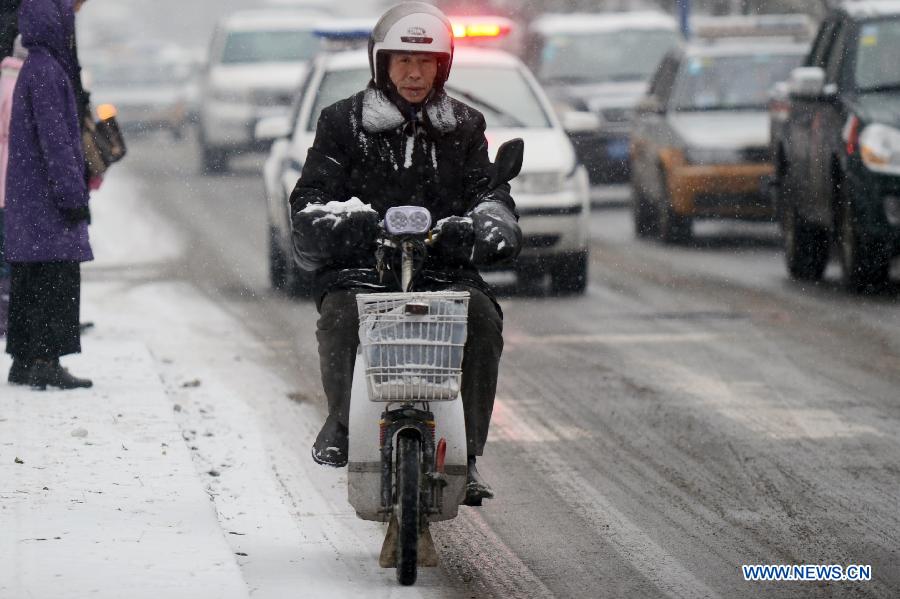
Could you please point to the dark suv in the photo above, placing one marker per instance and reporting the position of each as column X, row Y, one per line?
column 837, row 148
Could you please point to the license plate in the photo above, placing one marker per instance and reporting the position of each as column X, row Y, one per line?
column 618, row 150
column 767, row 186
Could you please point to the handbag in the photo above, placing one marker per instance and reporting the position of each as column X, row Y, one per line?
column 102, row 141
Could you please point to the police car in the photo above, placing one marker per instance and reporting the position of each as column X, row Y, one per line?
column 551, row 193
column 257, row 61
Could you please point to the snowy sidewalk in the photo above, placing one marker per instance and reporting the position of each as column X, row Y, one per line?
column 98, row 494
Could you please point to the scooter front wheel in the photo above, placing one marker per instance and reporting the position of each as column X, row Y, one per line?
column 407, row 505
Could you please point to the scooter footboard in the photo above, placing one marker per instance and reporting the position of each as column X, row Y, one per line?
column 364, row 468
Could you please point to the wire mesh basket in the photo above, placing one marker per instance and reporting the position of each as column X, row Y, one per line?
column 412, row 344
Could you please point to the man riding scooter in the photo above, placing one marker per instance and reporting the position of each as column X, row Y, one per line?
column 404, row 141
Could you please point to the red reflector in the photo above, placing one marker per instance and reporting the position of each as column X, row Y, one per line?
column 440, row 455
column 851, row 135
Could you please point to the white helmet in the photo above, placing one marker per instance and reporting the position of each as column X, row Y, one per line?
column 411, row 27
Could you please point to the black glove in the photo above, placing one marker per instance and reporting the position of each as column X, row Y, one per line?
column 73, row 216
column 498, row 237
column 455, row 238
column 333, row 238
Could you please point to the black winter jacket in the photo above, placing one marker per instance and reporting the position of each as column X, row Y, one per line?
column 367, row 149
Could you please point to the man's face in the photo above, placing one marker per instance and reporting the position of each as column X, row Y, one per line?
column 413, row 75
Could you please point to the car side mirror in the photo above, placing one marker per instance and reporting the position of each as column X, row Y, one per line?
column 650, row 105
column 779, row 91
column 580, row 122
column 272, row 128
column 508, row 162
column 807, row 83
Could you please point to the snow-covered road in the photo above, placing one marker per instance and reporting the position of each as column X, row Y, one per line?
column 693, row 412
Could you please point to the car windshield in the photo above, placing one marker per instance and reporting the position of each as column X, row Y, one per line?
column 269, row 46
column 877, row 64
column 712, row 83
column 502, row 94
column 626, row 55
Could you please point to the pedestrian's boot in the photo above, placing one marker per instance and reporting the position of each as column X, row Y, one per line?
column 330, row 448
column 476, row 488
column 19, row 372
column 50, row 373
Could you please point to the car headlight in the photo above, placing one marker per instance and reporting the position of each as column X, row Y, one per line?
column 548, row 182
column 551, row 182
column 713, row 156
column 879, row 147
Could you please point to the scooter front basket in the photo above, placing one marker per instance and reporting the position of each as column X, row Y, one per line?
column 412, row 344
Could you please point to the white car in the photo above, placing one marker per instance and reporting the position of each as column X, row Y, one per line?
column 600, row 62
column 551, row 193
column 257, row 60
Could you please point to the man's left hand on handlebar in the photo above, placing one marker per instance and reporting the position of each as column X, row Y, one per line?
column 454, row 240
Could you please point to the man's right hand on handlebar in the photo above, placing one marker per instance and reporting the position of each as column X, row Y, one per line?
column 323, row 236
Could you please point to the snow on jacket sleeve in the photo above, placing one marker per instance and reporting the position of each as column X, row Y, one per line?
column 323, row 180
column 498, row 237
column 59, row 143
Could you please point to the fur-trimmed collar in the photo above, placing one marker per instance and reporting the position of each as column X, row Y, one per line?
column 379, row 114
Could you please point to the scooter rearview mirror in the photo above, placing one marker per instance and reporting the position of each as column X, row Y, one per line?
column 508, row 162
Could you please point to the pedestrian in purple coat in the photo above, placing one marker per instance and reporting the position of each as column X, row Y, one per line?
column 46, row 201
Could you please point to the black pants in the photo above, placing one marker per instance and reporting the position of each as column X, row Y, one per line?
column 44, row 301
column 338, row 336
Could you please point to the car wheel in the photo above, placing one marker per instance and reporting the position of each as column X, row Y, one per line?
column 530, row 277
column 644, row 214
column 214, row 160
column 805, row 246
column 865, row 260
column 278, row 263
column 570, row 275
column 672, row 227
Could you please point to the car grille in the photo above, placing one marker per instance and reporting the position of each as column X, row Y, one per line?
column 740, row 203
column 756, row 155
column 617, row 115
column 272, row 98
column 550, row 210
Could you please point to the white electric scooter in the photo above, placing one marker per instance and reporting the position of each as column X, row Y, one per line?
column 407, row 451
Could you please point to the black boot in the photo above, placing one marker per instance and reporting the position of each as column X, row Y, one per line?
column 50, row 373
column 330, row 448
column 19, row 371
column 476, row 489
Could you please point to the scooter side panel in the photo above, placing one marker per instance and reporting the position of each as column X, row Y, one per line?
column 364, row 468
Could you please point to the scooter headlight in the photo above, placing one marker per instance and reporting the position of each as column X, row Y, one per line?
column 407, row 220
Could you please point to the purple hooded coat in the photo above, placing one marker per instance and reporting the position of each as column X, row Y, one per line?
column 46, row 161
